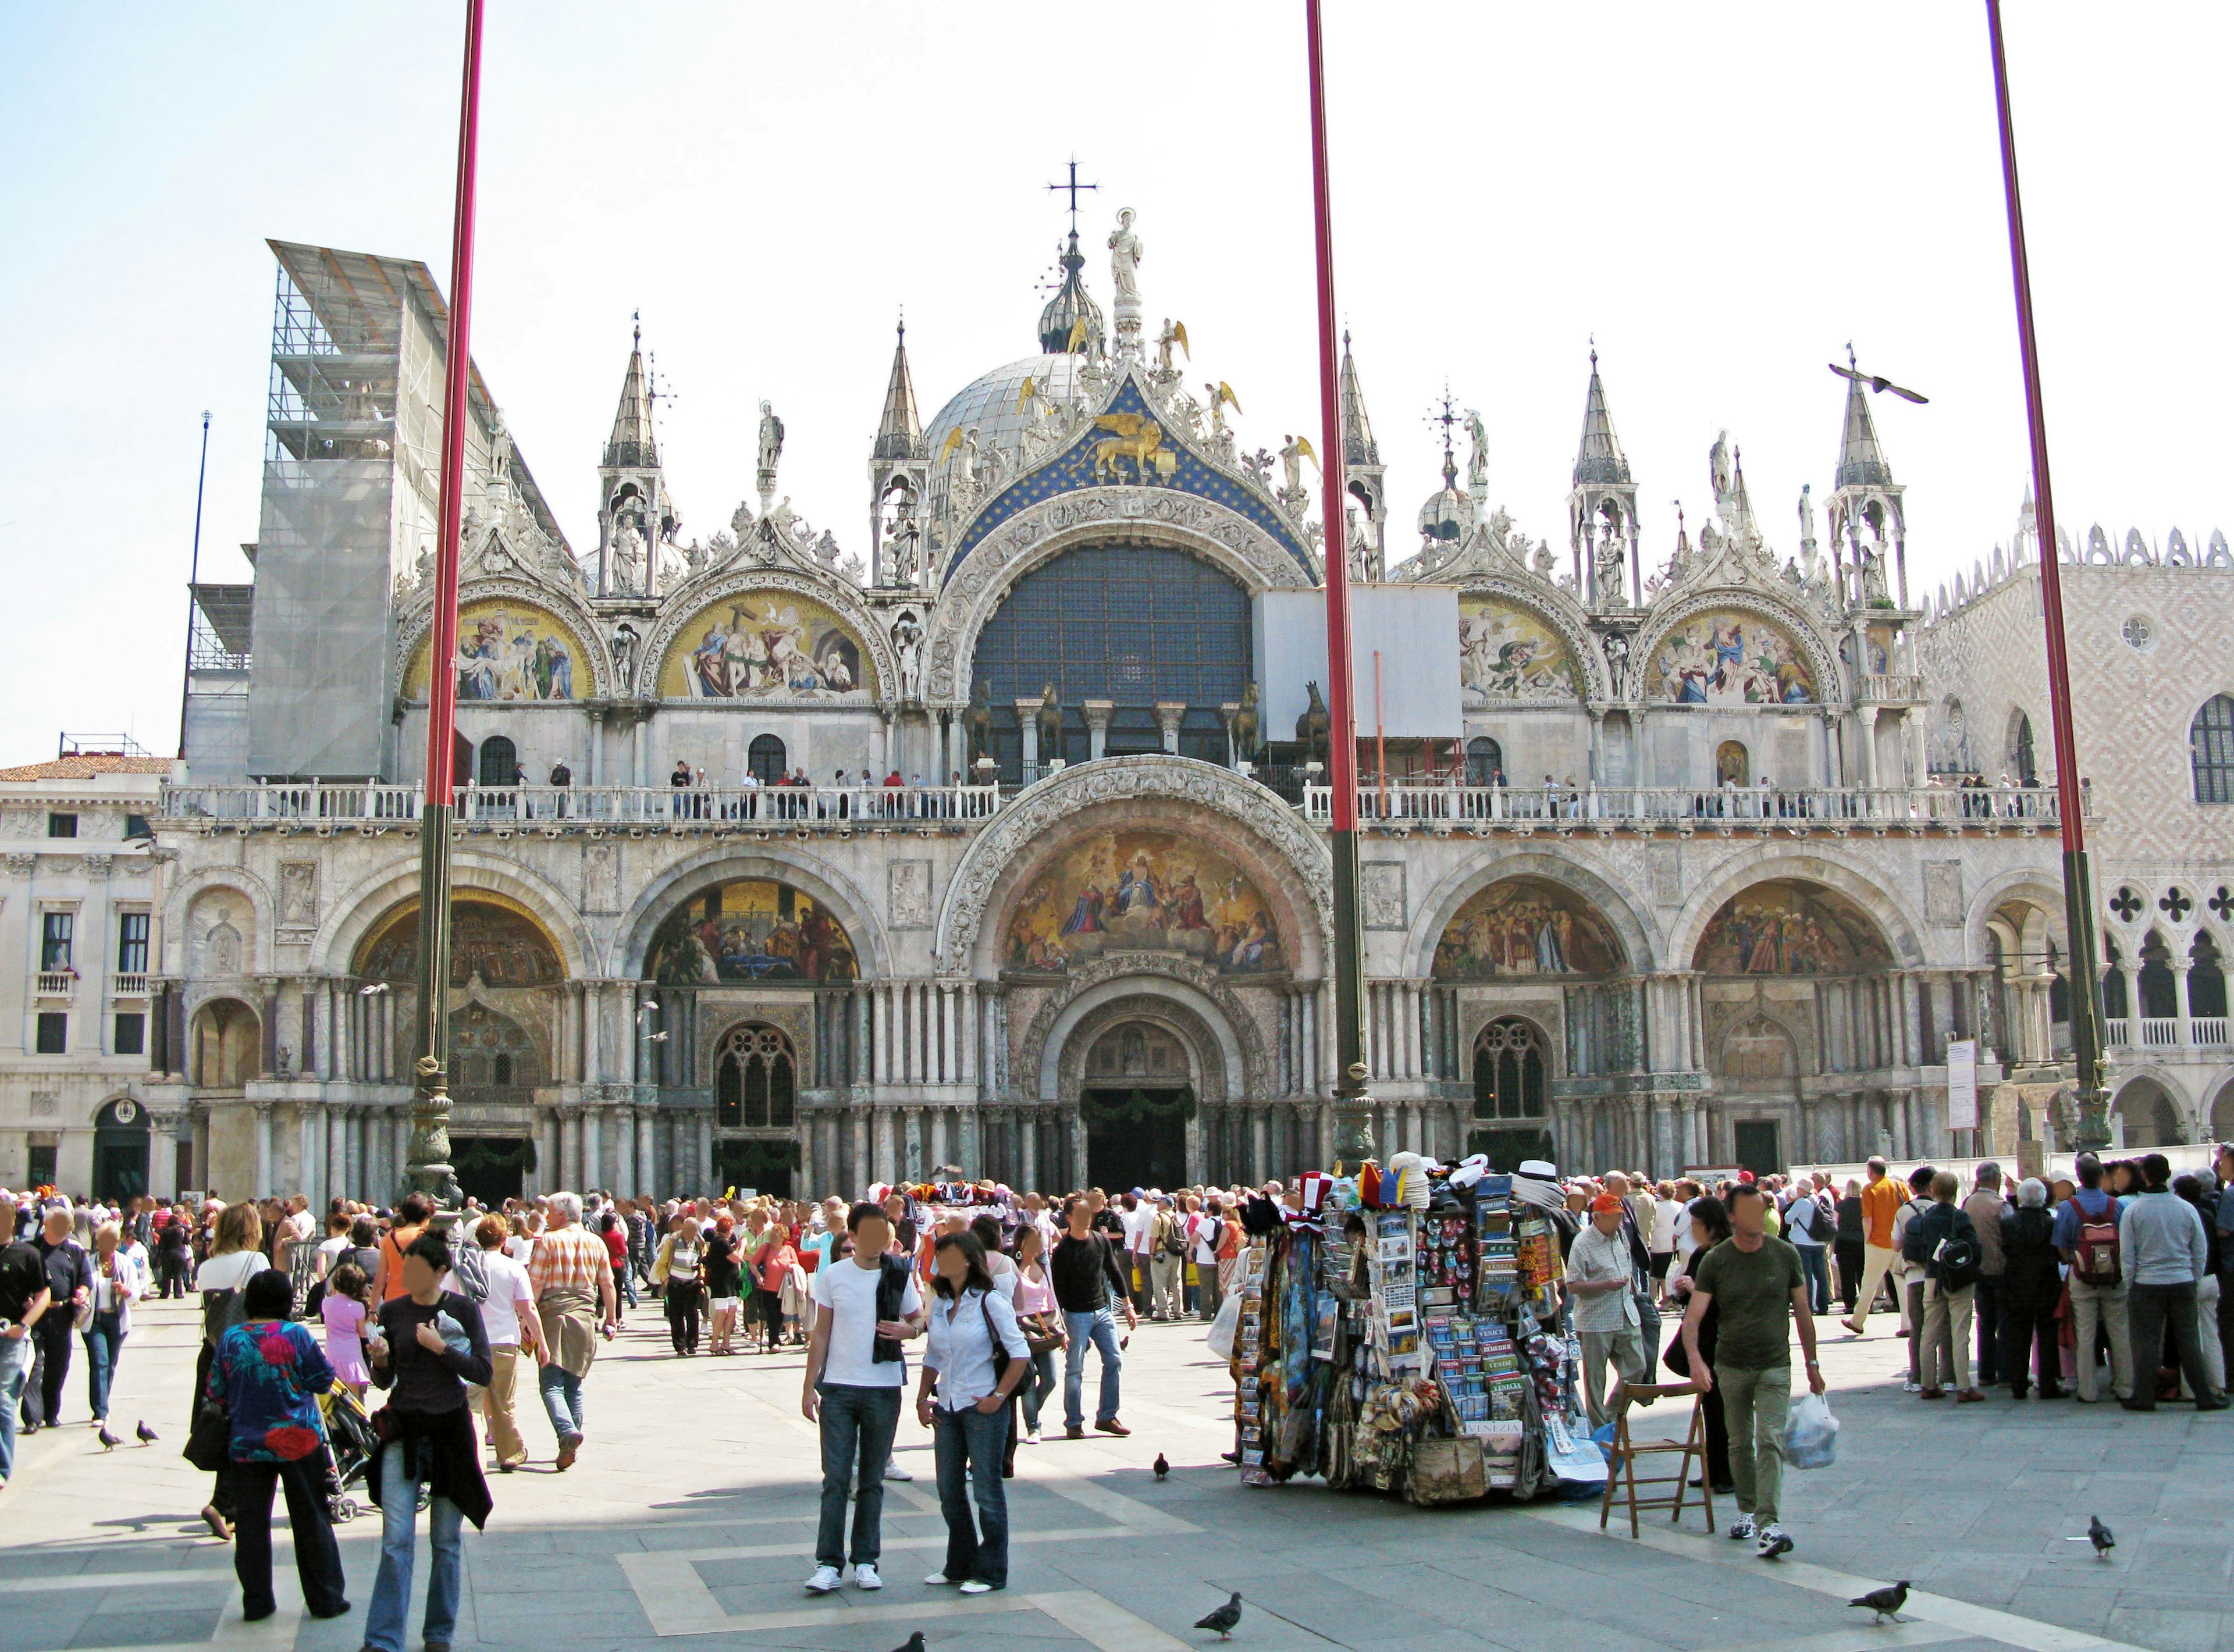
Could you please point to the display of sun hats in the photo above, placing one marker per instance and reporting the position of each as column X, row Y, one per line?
column 1411, row 1173
column 1537, row 1182
column 1470, row 1170
column 1311, row 1190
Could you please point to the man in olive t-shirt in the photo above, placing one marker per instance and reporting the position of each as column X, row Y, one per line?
column 1759, row 1283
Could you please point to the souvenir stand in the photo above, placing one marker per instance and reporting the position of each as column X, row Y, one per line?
column 1400, row 1332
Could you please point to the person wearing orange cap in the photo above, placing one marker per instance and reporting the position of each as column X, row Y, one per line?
column 1601, row 1275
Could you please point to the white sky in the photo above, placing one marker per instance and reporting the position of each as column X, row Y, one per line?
column 1723, row 193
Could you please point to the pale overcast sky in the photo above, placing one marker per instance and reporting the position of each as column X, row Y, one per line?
column 1723, row 194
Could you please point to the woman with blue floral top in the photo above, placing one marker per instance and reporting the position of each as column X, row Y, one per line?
column 267, row 1372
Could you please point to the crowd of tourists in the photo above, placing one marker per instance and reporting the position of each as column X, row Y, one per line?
column 2114, row 1281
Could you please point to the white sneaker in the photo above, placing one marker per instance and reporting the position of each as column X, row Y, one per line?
column 1742, row 1529
column 975, row 1587
column 894, row 1472
column 1032, row 1437
column 865, row 1576
column 826, row 1579
column 938, row 1580
column 1775, row 1541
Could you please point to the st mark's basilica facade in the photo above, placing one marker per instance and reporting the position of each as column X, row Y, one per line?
column 1660, row 876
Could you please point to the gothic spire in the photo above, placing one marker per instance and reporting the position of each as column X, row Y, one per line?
column 631, row 445
column 899, row 433
column 1599, row 458
column 1861, row 461
column 1741, row 502
column 1358, row 447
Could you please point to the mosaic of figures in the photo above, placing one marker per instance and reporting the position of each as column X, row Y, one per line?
column 1788, row 927
column 504, row 947
column 1506, row 653
column 1524, row 926
column 751, row 929
column 765, row 645
column 509, row 650
column 1141, row 892
column 1727, row 658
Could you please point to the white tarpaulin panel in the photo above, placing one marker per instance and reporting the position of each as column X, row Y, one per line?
column 1415, row 629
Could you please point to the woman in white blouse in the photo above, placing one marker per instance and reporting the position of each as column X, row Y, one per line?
column 975, row 1358
column 118, row 1281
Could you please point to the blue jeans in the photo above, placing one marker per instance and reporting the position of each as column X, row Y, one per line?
column 858, row 1425
column 980, row 1552
column 1100, row 1328
column 1812, row 1257
column 399, row 1521
column 15, row 1372
column 104, row 1341
column 562, row 1398
column 1035, row 1392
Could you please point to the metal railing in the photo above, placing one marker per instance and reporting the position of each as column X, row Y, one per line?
column 1796, row 807
column 803, row 807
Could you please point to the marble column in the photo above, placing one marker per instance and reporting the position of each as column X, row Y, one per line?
column 1098, row 713
column 950, row 1057
column 971, row 1033
column 624, row 1172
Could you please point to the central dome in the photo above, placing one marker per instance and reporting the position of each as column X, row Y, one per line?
column 988, row 405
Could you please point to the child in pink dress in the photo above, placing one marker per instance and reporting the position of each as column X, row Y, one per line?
column 344, row 1315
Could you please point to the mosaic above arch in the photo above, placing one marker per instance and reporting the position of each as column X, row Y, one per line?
column 1526, row 926
column 1786, row 927
column 1508, row 653
column 767, row 645
column 510, row 650
column 750, row 929
column 1729, row 658
column 1124, row 891
column 490, row 937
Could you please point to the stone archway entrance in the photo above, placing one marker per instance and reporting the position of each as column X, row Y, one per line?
column 1136, row 1098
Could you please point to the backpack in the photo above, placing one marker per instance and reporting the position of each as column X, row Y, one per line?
column 1175, row 1243
column 221, row 1311
column 1960, row 1261
column 2095, row 1260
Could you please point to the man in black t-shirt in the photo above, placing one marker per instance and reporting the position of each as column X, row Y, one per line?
column 1084, row 1270
column 23, row 1300
column 69, row 1282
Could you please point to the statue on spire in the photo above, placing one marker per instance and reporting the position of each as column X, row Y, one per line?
column 771, row 451
column 1125, row 253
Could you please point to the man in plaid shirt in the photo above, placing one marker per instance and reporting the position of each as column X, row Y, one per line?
column 570, row 1272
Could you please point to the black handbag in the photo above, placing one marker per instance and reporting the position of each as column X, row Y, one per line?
column 209, row 1442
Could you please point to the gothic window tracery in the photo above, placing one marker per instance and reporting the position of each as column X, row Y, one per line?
column 1508, row 1071
column 755, row 1080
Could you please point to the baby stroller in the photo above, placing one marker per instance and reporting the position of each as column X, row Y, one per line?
column 352, row 1442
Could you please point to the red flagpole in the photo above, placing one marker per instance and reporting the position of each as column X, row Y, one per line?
column 1354, row 1127
column 428, row 1168
column 2078, row 882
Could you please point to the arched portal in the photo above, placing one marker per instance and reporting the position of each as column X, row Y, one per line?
column 1511, row 1084
column 2150, row 1116
column 491, row 937
column 226, row 1045
column 119, row 1150
column 1134, row 1102
column 755, row 1080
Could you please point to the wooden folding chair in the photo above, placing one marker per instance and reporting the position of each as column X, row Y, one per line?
column 1621, row 1478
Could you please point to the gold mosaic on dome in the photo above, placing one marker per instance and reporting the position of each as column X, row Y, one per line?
column 751, row 929
column 489, row 936
column 1524, row 926
column 1726, row 657
column 510, row 650
column 1140, row 892
column 767, row 645
column 1507, row 653
column 1788, row 927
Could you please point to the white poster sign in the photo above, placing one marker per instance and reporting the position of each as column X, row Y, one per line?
column 1962, row 1084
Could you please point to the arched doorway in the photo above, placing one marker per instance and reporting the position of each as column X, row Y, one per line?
column 1759, row 1066
column 765, row 760
column 755, row 1080
column 119, row 1150
column 1511, row 1086
column 499, row 764
column 1484, row 760
column 2150, row 1116
column 226, row 1045
column 1733, row 764
column 1135, row 1098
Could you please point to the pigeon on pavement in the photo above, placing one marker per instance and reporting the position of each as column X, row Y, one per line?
column 1160, row 1466
column 1885, row 1602
column 148, row 1436
column 2098, row 1535
column 1223, row 1619
column 913, row 1643
column 109, row 1441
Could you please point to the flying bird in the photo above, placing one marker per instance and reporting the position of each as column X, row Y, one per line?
column 1879, row 385
column 1223, row 1619
column 1885, row 1602
column 913, row 1643
column 1161, row 1466
column 109, row 1441
column 148, row 1436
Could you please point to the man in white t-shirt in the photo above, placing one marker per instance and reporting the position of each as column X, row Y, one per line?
column 498, row 1286
column 1139, row 1223
column 866, row 1305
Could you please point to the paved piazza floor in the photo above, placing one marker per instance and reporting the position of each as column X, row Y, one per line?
column 690, row 1516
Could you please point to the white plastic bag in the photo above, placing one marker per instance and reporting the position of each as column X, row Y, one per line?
column 1223, row 1329
column 1811, row 1434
